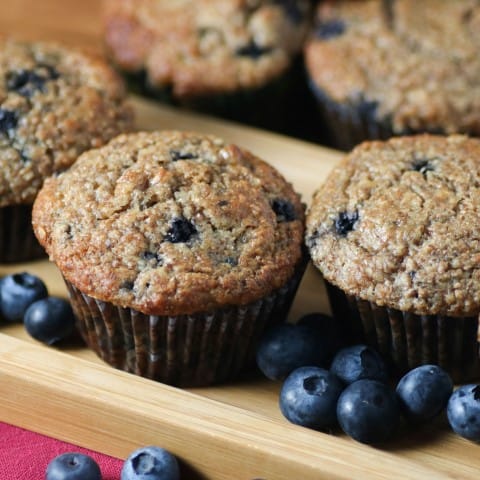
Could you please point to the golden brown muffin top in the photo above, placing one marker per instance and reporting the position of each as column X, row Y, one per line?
column 171, row 223
column 55, row 103
column 415, row 63
column 397, row 223
column 198, row 47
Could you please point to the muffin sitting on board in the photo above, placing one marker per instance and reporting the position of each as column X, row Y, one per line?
column 178, row 250
column 395, row 232
column 55, row 103
column 383, row 68
column 230, row 58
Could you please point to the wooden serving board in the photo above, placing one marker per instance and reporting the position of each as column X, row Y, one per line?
column 235, row 431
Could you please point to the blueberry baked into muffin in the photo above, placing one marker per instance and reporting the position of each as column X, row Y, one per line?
column 383, row 68
column 394, row 230
column 232, row 58
column 178, row 250
column 55, row 103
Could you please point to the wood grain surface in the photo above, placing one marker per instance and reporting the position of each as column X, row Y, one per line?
column 233, row 431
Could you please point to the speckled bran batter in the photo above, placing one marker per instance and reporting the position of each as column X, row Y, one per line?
column 397, row 223
column 55, row 103
column 413, row 64
column 199, row 47
column 171, row 223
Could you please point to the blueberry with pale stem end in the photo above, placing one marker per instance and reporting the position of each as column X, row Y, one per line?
column 463, row 412
column 150, row 463
column 73, row 466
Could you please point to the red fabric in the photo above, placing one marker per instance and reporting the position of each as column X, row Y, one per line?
column 24, row 455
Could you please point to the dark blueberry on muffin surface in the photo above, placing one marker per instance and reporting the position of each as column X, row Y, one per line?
column 252, row 50
column 180, row 231
column 284, row 210
column 179, row 155
column 345, row 222
column 330, row 29
column 8, row 120
column 27, row 82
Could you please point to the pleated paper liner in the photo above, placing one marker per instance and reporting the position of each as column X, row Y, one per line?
column 17, row 240
column 185, row 350
column 407, row 340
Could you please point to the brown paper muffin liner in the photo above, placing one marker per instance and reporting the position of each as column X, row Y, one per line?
column 17, row 240
column 185, row 350
column 407, row 340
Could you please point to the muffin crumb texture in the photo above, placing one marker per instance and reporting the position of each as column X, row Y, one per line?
column 397, row 223
column 171, row 223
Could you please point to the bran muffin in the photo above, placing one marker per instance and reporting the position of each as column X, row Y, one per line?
column 231, row 58
column 383, row 68
column 177, row 252
column 55, row 103
column 394, row 231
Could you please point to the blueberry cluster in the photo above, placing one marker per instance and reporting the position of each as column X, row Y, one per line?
column 327, row 384
column 24, row 298
column 146, row 463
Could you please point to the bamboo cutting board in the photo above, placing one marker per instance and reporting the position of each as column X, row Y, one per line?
column 235, row 431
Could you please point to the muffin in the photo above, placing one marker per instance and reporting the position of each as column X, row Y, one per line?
column 394, row 230
column 55, row 103
column 232, row 58
column 178, row 249
column 380, row 69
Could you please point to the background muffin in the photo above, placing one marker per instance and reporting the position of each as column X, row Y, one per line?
column 395, row 232
column 178, row 251
column 391, row 68
column 232, row 58
column 55, row 103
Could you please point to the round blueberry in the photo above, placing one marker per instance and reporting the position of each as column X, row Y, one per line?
column 368, row 411
column 463, row 411
column 358, row 362
column 424, row 392
column 285, row 347
column 49, row 320
column 309, row 397
column 150, row 463
column 73, row 466
column 17, row 292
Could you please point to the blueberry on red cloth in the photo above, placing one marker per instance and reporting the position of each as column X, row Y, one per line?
column 73, row 466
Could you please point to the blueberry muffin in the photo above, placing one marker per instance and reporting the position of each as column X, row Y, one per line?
column 232, row 58
column 383, row 68
column 55, row 103
column 394, row 231
column 178, row 251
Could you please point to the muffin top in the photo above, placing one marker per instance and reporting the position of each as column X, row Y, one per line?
column 413, row 63
column 200, row 47
column 397, row 223
column 55, row 103
column 171, row 223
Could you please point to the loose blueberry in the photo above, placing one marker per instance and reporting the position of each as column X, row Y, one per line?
column 17, row 292
column 284, row 210
column 328, row 29
column 73, row 466
column 150, row 463
column 179, row 155
column 345, row 222
column 8, row 120
column 309, row 397
column 368, row 411
column 324, row 326
column 424, row 392
column 49, row 320
column 285, row 347
column 180, row 231
column 463, row 412
column 252, row 50
column 358, row 362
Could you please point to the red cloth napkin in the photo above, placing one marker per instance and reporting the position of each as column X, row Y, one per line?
column 24, row 455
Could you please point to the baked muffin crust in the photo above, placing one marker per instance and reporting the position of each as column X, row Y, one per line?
column 413, row 64
column 171, row 223
column 198, row 47
column 55, row 103
column 397, row 223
